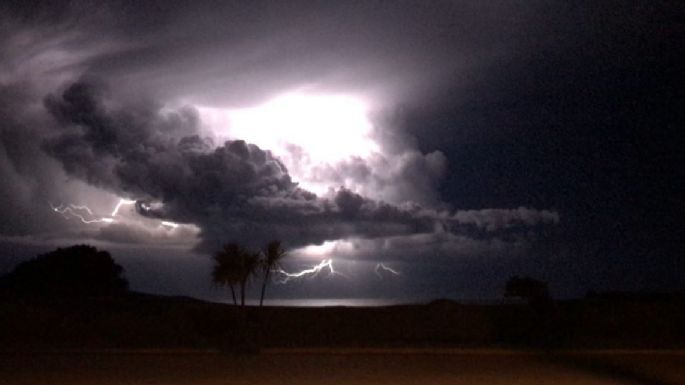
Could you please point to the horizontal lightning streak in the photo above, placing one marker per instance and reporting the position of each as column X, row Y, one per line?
column 81, row 207
column 383, row 267
column 313, row 271
column 77, row 211
column 72, row 211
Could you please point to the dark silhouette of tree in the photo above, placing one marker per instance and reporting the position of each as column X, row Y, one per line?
column 76, row 271
column 527, row 288
column 226, row 270
column 273, row 253
column 234, row 266
column 249, row 263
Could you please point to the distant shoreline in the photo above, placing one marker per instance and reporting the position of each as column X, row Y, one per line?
column 363, row 302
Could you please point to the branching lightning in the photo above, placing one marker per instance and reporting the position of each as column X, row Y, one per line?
column 82, row 207
column 311, row 272
column 85, row 214
column 121, row 203
column 79, row 211
column 382, row 266
column 75, row 211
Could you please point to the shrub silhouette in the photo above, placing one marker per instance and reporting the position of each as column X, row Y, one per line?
column 76, row 271
column 526, row 288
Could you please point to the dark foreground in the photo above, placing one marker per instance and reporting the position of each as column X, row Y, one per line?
column 152, row 322
column 352, row 366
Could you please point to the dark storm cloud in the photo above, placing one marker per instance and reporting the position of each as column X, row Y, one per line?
column 223, row 53
column 114, row 132
column 575, row 107
column 453, row 59
column 232, row 191
column 401, row 177
column 29, row 177
column 497, row 219
column 95, row 137
column 39, row 49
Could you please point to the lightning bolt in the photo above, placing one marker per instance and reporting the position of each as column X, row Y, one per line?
column 312, row 272
column 74, row 211
column 82, row 207
column 79, row 211
column 382, row 266
column 122, row 202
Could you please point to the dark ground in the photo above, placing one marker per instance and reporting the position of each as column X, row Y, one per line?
column 144, row 321
column 491, row 367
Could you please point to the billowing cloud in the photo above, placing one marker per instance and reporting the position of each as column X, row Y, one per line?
column 497, row 219
column 233, row 191
column 468, row 111
column 133, row 127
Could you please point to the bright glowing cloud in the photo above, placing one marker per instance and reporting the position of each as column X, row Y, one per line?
column 326, row 249
column 303, row 130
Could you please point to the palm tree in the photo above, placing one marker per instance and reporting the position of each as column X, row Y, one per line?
column 273, row 253
column 234, row 266
column 227, row 268
column 249, row 262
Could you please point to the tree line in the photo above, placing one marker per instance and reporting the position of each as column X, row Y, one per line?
column 85, row 271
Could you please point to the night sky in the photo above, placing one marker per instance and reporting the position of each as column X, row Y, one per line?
column 424, row 149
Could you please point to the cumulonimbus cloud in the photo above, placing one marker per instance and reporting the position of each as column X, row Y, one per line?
column 231, row 191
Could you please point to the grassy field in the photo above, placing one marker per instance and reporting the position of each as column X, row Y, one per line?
column 356, row 366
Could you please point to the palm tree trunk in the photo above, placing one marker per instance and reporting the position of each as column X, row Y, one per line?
column 243, row 315
column 235, row 301
column 242, row 293
column 266, row 280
